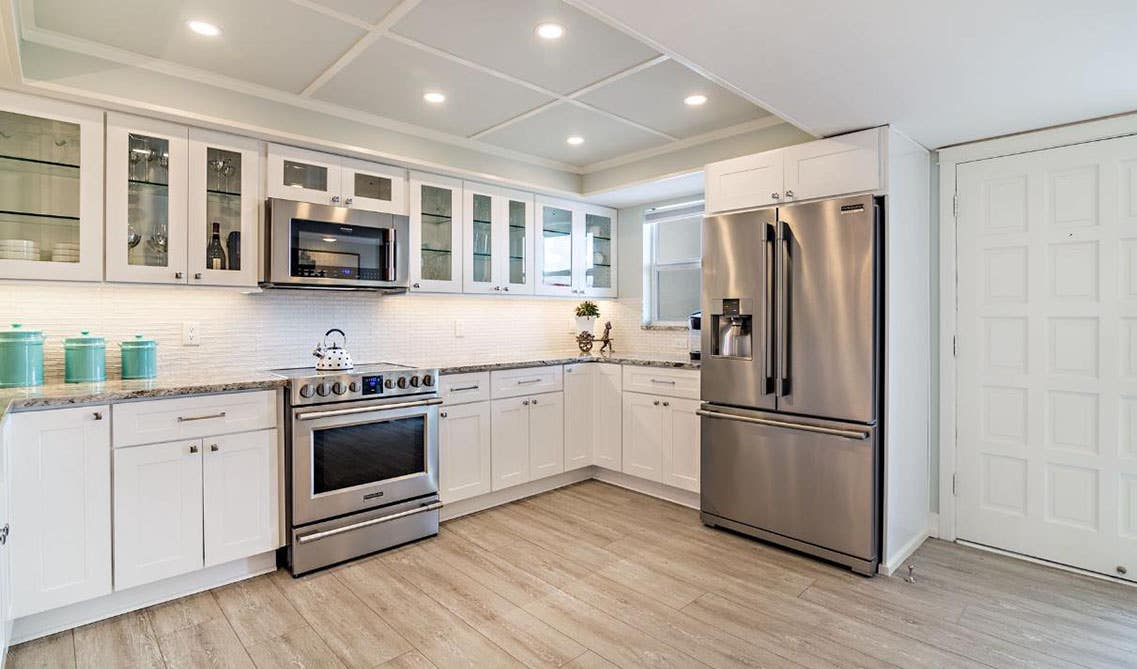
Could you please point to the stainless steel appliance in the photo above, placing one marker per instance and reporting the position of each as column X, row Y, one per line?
column 791, row 369
column 362, row 461
column 695, row 335
column 320, row 246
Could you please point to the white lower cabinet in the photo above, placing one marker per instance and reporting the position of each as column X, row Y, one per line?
column 643, row 435
column 546, row 435
column 661, row 440
column 679, row 466
column 608, row 410
column 464, row 451
column 242, row 495
column 60, row 507
column 528, row 438
column 580, row 415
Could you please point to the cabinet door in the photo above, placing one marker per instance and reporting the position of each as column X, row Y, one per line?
column 436, row 233
column 744, row 183
column 513, row 248
column 481, row 225
column 305, row 176
column 609, row 412
column 224, row 203
column 835, row 166
column 510, row 426
column 146, row 200
column 594, row 236
column 464, row 453
column 643, row 436
column 157, row 512
column 554, row 251
column 373, row 187
column 580, row 413
column 51, row 190
column 61, row 507
column 546, row 435
column 241, row 483
column 5, row 527
column 680, row 466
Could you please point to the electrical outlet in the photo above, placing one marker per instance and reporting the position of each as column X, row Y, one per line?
column 191, row 334
column 459, row 328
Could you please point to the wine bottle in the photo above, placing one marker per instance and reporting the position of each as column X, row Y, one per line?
column 215, row 254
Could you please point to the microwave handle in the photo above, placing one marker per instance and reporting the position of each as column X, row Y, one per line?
column 389, row 273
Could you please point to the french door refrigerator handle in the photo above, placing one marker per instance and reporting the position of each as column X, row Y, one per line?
column 768, row 242
column 804, row 427
column 783, row 306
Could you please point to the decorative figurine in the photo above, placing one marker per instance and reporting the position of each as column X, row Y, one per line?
column 606, row 339
column 584, row 341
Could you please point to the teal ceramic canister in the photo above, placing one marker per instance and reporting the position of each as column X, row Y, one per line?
column 21, row 357
column 84, row 359
column 139, row 358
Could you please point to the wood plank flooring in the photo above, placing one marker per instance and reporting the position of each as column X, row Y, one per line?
column 596, row 576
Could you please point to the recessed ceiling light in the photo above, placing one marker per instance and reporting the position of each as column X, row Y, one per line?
column 550, row 30
column 695, row 100
column 575, row 140
column 204, row 28
column 434, row 97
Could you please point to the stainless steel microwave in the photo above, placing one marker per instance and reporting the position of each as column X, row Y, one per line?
column 319, row 246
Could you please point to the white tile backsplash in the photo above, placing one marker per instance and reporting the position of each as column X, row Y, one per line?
column 279, row 328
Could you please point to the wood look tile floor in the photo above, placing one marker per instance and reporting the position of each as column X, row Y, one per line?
column 597, row 576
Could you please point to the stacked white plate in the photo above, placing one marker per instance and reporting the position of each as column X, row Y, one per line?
column 19, row 249
column 65, row 252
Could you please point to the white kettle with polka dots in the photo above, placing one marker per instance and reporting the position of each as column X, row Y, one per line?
column 334, row 357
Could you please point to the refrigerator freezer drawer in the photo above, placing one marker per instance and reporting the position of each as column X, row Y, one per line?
column 813, row 482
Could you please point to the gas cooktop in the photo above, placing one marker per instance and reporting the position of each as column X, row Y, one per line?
column 377, row 381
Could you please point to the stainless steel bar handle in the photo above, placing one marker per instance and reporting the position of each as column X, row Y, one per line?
column 312, row 415
column 804, row 427
column 461, row 388
column 187, row 419
column 783, row 382
column 666, row 382
column 316, row 536
column 523, row 382
column 768, row 311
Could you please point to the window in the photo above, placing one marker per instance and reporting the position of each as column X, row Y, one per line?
column 672, row 271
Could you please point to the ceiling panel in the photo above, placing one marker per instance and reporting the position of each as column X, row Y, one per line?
column 389, row 79
column 287, row 53
column 501, row 34
column 654, row 97
column 368, row 10
column 544, row 134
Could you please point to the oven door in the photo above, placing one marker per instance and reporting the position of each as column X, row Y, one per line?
column 361, row 455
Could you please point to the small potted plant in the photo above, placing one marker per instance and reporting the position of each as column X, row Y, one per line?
column 586, row 314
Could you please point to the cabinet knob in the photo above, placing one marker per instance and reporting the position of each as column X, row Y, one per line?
column 197, row 276
column 667, row 404
column 98, row 415
column 505, row 288
column 789, row 193
column 442, row 414
column 498, row 288
column 5, row 530
column 179, row 275
column 775, row 196
column 348, row 201
column 193, row 449
column 335, row 199
column 416, row 284
column 525, row 403
column 655, row 403
column 534, row 401
column 213, row 448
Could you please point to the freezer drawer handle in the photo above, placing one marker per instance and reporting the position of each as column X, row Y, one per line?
column 381, row 407
column 836, row 432
column 316, row 536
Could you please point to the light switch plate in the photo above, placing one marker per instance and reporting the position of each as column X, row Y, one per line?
column 191, row 333
column 459, row 328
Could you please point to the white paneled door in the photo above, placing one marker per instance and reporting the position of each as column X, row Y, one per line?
column 1047, row 355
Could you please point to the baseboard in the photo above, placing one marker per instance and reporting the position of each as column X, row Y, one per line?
column 464, row 507
column 140, row 597
column 896, row 563
column 666, row 492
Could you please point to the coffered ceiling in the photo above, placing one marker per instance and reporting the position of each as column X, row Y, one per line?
column 504, row 85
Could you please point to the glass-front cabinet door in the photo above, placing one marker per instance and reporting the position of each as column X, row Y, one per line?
column 51, row 172
column 373, row 187
column 479, row 231
column 555, row 250
column 514, row 252
column 595, row 237
column 146, row 200
column 224, row 195
column 436, row 233
column 304, row 176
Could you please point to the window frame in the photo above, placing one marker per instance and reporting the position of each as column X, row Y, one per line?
column 653, row 268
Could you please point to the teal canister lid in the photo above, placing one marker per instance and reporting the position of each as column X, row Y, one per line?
column 83, row 340
column 19, row 334
column 138, row 343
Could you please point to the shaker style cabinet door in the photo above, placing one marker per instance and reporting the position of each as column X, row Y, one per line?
column 60, row 507
column 745, row 182
column 241, row 483
column 157, row 512
column 464, row 451
column 146, row 197
column 834, row 166
column 481, row 227
column 513, row 244
column 594, row 236
column 51, row 190
column 436, row 225
column 510, row 425
column 224, row 203
column 580, row 432
column 546, row 435
column 555, row 251
column 681, row 437
column 643, row 436
column 304, row 176
column 373, row 187
column 608, row 412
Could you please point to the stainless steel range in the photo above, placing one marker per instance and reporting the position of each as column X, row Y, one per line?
column 362, row 461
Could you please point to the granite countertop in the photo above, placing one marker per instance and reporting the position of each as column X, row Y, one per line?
column 59, row 395
column 629, row 359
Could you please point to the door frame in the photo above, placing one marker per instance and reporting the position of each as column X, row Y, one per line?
column 948, row 161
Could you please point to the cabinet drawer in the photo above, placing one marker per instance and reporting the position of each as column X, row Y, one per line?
column 529, row 381
column 151, row 421
column 662, row 381
column 463, row 388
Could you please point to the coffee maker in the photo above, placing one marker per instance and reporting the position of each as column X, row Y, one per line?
column 695, row 335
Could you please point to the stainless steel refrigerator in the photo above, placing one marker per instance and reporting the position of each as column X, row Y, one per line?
column 791, row 377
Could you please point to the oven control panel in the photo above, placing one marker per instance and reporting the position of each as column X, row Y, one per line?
column 351, row 386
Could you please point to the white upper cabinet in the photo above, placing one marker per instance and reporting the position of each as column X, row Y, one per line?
column 576, row 249
column 436, row 233
column 323, row 178
column 146, row 197
column 51, row 190
column 224, row 206
column 497, row 240
column 841, row 165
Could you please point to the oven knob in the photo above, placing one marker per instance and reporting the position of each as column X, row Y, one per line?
column 427, row 380
column 339, row 388
column 354, row 386
column 402, row 382
column 322, row 389
column 414, row 381
column 389, row 383
column 306, row 390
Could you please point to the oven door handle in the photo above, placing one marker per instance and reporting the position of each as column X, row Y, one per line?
column 313, row 415
column 316, row 536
